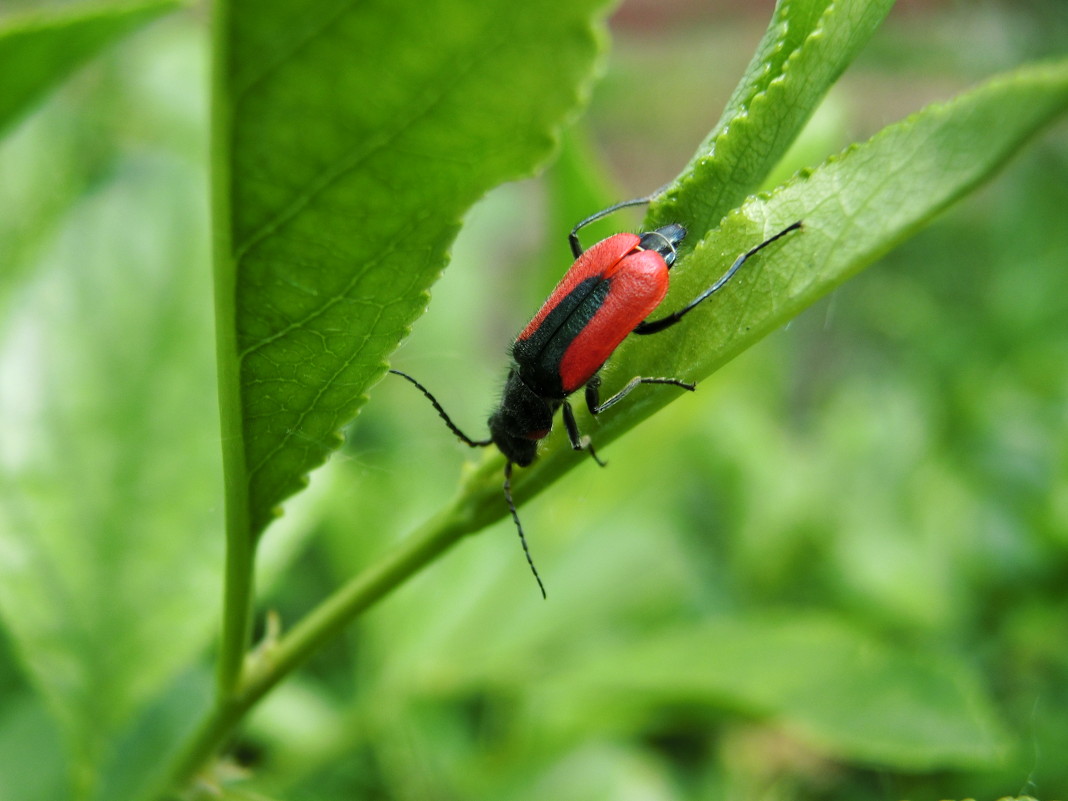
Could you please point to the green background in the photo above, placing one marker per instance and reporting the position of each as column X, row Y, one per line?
column 836, row 571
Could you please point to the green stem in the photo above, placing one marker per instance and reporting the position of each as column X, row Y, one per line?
column 329, row 618
column 237, row 601
column 268, row 668
column 240, row 539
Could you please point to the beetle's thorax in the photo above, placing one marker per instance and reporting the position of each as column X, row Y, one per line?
column 522, row 418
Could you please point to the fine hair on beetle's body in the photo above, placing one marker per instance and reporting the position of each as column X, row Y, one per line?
column 606, row 295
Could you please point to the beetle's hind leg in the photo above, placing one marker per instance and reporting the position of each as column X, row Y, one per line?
column 656, row 326
column 572, row 238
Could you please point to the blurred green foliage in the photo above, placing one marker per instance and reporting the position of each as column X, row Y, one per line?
column 859, row 528
column 39, row 50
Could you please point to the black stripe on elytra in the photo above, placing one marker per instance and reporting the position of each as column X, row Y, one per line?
column 540, row 354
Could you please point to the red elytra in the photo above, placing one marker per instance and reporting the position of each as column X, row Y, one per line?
column 639, row 282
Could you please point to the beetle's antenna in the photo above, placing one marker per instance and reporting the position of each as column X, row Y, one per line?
column 474, row 443
column 519, row 526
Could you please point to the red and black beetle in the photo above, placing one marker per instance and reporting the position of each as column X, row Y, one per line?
column 607, row 295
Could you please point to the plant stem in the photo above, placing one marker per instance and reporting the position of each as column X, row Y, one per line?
column 273, row 664
column 240, row 539
column 325, row 622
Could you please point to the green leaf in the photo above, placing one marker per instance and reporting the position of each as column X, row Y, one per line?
column 809, row 43
column 349, row 142
column 109, row 510
column 838, row 690
column 38, row 51
column 855, row 207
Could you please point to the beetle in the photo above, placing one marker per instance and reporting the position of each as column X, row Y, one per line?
column 606, row 295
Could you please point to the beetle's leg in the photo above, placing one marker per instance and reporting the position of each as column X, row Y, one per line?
column 593, row 391
column 576, row 246
column 578, row 441
column 519, row 526
column 666, row 322
column 474, row 443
